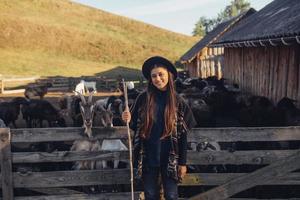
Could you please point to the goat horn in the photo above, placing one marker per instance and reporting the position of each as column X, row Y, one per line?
column 109, row 107
column 81, row 97
column 100, row 108
column 91, row 97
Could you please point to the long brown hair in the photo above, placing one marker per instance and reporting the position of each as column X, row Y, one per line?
column 169, row 113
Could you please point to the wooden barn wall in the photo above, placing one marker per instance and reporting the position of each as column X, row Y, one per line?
column 208, row 62
column 191, row 67
column 266, row 71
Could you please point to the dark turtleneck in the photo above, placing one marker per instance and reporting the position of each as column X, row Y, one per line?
column 157, row 150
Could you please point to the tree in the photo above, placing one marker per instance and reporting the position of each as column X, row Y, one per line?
column 235, row 8
column 204, row 25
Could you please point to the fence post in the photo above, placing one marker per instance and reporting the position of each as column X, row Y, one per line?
column 6, row 164
column 70, row 84
column 2, row 86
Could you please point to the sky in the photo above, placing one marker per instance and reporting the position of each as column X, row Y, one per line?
column 175, row 15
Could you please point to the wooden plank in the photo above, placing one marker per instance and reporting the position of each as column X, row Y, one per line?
column 272, row 71
column 198, row 134
column 293, row 76
column 245, row 134
column 68, row 156
column 64, row 134
column 56, row 191
column 268, row 75
column 58, row 89
column 20, row 79
column 258, row 177
column 2, row 86
column 256, row 157
column 298, row 75
column 260, row 157
column 292, row 71
column 212, row 179
column 6, row 164
column 260, row 199
column 71, row 178
column 58, row 85
column 13, row 91
column 276, row 74
column 191, row 179
column 103, row 196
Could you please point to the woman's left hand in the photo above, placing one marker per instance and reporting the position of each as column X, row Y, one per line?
column 181, row 171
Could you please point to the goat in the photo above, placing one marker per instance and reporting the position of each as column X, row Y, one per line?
column 289, row 112
column 80, row 88
column 95, row 115
column 111, row 105
column 9, row 111
column 37, row 90
column 89, row 144
column 39, row 110
column 65, row 104
column 104, row 117
column 85, row 145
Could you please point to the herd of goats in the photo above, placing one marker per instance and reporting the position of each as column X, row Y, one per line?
column 213, row 102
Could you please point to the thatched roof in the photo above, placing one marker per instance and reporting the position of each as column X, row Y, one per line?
column 279, row 19
column 213, row 35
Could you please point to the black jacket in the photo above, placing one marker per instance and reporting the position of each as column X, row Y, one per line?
column 185, row 121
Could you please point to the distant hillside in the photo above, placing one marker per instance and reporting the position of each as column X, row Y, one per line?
column 59, row 37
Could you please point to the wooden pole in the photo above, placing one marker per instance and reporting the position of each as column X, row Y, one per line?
column 2, row 86
column 6, row 165
column 129, row 140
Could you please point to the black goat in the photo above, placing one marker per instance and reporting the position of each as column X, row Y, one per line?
column 9, row 111
column 37, row 90
column 39, row 110
column 289, row 112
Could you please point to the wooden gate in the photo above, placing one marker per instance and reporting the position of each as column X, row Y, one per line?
column 270, row 166
column 54, row 184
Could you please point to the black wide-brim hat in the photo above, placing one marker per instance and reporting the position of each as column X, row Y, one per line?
column 159, row 61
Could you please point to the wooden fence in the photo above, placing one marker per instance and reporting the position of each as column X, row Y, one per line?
column 269, row 166
column 59, row 84
column 4, row 82
column 102, row 84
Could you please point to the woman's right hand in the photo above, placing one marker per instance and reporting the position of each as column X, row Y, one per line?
column 126, row 116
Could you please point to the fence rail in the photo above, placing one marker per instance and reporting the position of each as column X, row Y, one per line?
column 7, row 81
column 271, row 166
column 60, row 83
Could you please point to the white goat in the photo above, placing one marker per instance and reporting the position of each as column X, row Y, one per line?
column 103, row 117
column 112, row 145
column 80, row 88
column 85, row 145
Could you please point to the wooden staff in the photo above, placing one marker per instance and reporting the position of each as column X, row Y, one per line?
column 129, row 139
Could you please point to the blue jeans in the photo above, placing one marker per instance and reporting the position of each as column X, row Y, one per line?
column 152, row 187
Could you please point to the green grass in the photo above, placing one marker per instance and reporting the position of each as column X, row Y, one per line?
column 58, row 37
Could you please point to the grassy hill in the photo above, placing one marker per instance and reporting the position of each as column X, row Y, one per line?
column 60, row 37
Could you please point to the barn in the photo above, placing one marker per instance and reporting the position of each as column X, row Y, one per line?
column 202, row 60
column 262, row 54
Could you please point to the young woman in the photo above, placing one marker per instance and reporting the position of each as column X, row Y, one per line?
column 160, row 120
